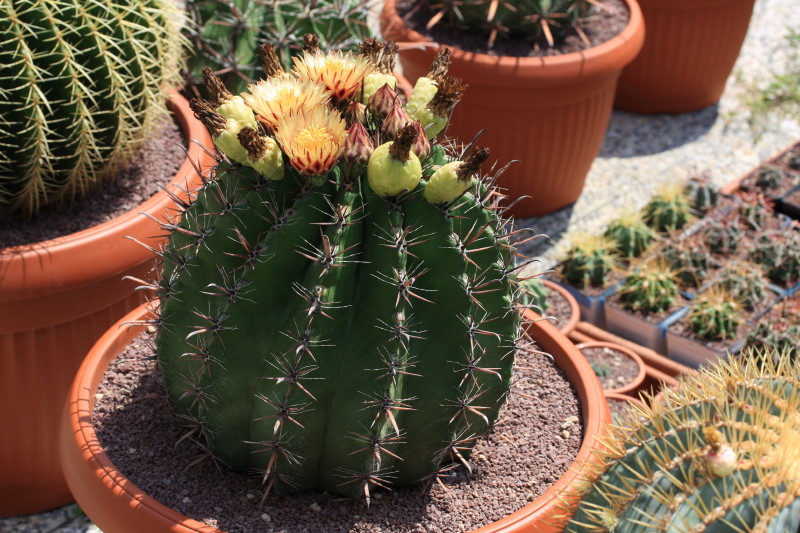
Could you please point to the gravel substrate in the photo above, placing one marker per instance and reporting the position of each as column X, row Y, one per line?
column 156, row 162
column 558, row 307
column 537, row 438
column 618, row 368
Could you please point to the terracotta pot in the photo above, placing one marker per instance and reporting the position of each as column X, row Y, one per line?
column 636, row 383
column 56, row 299
column 566, row 326
column 117, row 506
column 551, row 113
column 689, row 53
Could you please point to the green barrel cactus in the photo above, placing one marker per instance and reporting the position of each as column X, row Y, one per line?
column 650, row 287
column 715, row 315
column 81, row 85
column 630, row 233
column 226, row 34
column 700, row 193
column 589, row 260
column 344, row 319
column 719, row 454
column 668, row 210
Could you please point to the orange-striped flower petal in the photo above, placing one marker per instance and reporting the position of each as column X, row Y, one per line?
column 312, row 139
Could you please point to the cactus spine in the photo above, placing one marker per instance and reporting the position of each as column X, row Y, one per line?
column 720, row 453
column 83, row 84
column 715, row 315
column 336, row 329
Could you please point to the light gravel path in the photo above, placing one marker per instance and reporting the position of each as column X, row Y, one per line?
column 640, row 152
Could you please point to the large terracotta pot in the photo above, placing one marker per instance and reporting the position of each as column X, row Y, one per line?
column 56, row 299
column 116, row 505
column 689, row 53
column 551, row 113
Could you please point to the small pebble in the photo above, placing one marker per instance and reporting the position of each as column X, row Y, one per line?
column 565, row 434
column 315, row 507
column 266, row 518
column 98, row 396
column 131, row 450
column 187, row 500
column 569, row 421
column 250, row 496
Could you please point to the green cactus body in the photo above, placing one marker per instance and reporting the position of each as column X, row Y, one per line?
column 651, row 288
column 701, row 194
column 723, row 236
column 719, row 454
column 778, row 251
column 631, row 235
column 689, row 258
column 715, row 315
column 83, row 84
column 589, row 261
column 769, row 178
column 745, row 284
column 534, row 294
column 668, row 210
column 333, row 335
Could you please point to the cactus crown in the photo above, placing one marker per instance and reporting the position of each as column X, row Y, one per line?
column 545, row 21
column 778, row 251
column 769, row 177
column 589, row 260
column 688, row 256
column 753, row 208
column 630, row 233
column 745, row 284
column 226, row 34
column 650, row 287
column 328, row 317
column 668, row 209
column 702, row 195
column 715, row 314
column 720, row 453
column 83, row 84
column 723, row 235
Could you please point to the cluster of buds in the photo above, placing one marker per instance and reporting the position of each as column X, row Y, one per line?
column 340, row 108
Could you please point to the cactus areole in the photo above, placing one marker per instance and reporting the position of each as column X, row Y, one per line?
column 327, row 324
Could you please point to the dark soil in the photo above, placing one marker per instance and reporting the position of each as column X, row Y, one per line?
column 783, row 162
column 601, row 26
column 156, row 162
column 537, row 438
column 619, row 368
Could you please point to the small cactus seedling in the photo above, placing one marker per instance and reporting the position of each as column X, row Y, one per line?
column 769, row 178
column 630, row 233
column 753, row 209
column 745, row 284
column 792, row 160
column 82, row 85
column 721, row 453
column 779, row 330
column 588, row 261
column 688, row 256
column 534, row 295
column 723, row 235
column 668, row 210
column 651, row 287
column 702, row 195
column 778, row 251
column 542, row 21
column 328, row 317
column 714, row 315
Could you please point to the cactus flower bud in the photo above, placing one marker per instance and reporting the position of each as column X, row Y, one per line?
column 263, row 154
column 375, row 81
column 382, row 101
column 224, row 132
column 421, row 146
column 395, row 121
column 358, row 146
column 721, row 459
column 356, row 112
column 435, row 115
column 452, row 179
column 226, row 104
column 393, row 167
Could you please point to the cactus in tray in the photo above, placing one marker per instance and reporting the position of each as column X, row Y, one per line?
column 541, row 21
column 702, row 195
column 689, row 258
column 342, row 316
column 719, row 453
column 723, row 235
column 778, row 251
column 744, row 283
column 753, row 209
column 651, row 287
column 769, row 177
column 226, row 34
column 83, row 83
column 779, row 331
column 588, row 261
column 715, row 315
column 668, row 210
column 630, row 233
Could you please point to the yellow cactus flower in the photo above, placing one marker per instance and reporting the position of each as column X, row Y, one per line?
column 312, row 139
column 342, row 73
column 280, row 96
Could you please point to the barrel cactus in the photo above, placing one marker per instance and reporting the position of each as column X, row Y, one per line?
column 668, row 210
column 719, row 453
column 589, row 260
column 715, row 315
column 651, row 287
column 83, row 83
column 342, row 317
column 630, row 233
column 701, row 193
column 548, row 21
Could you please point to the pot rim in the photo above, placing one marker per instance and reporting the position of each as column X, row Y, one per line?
column 599, row 60
column 575, row 309
column 89, row 470
column 101, row 251
column 637, row 381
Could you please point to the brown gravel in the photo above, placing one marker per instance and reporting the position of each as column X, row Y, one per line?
column 620, row 369
column 532, row 446
column 155, row 162
column 558, row 307
column 618, row 408
column 599, row 28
